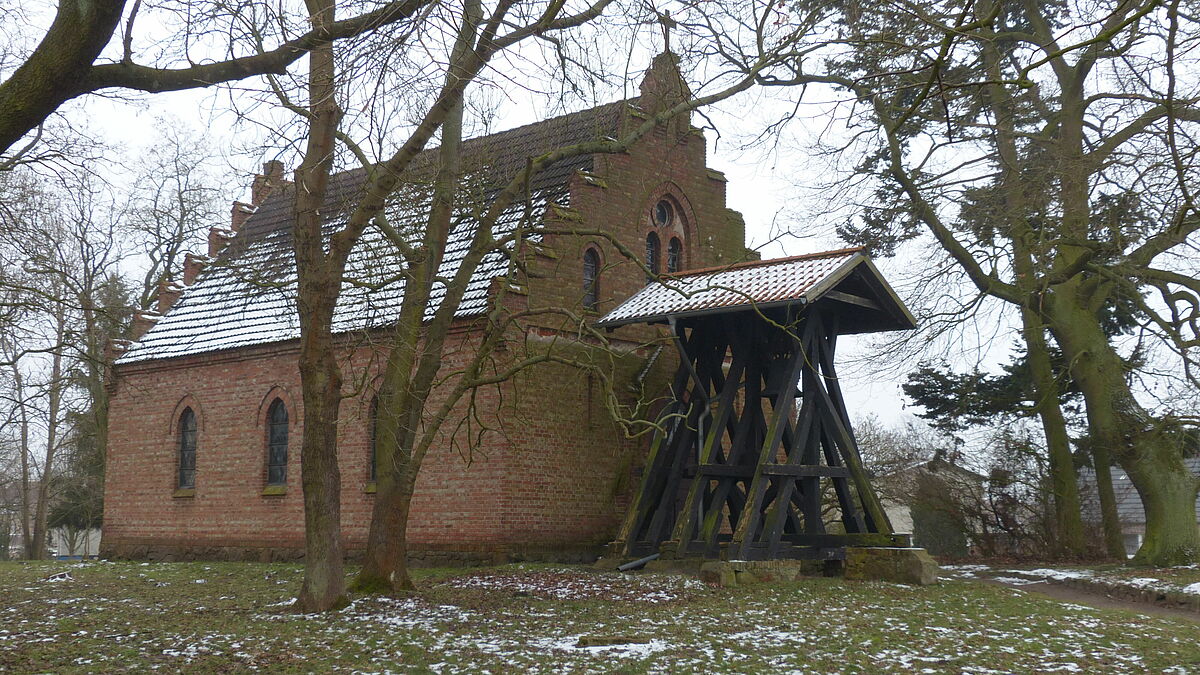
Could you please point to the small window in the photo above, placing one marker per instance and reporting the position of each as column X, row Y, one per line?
column 374, row 435
column 187, row 449
column 674, row 255
column 664, row 213
column 277, row 443
column 591, row 279
column 653, row 247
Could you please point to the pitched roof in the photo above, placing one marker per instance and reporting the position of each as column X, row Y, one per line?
column 764, row 284
column 248, row 296
column 1129, row 503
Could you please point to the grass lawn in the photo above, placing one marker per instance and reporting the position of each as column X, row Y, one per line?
column 232, row 617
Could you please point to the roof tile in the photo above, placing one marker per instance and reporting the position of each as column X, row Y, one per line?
column 247, row 297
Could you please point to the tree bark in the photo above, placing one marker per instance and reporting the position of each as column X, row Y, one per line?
column 26, row 486
column 53, row 72
column 319, row 281
column 1068, row 513
column 56, row 385
column 1110, row 520
column 1121, row 427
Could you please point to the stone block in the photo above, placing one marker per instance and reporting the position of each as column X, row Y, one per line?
column 901, row 565
column 744, row 577
column 678, row 566
column 719, row 573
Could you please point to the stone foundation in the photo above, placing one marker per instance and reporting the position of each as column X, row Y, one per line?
column 419, row 556
column 902, row 565
column 731, row 573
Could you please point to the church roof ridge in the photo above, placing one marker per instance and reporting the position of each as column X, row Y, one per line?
column 247, row 297
column 765, row 263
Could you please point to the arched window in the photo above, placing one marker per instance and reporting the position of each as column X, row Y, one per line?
column 187, row 449
column 374, row 435
column 277, row 443
column 591, row 279
column 674, row 255
column 664, row 213
column 652, row 250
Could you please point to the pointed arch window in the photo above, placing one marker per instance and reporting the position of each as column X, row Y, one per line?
column 277, row 443
column 674, row 255
column 653, row 247
column 187, row 449
column 591, row 279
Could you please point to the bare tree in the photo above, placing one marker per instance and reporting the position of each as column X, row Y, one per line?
column 174, row 201
column 68, row 61
column 65, row 249
column 1049, row 150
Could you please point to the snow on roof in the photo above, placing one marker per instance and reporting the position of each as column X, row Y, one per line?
column 247, row 297
column 760, row 285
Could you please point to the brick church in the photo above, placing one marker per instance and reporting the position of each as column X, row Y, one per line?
column 206, row 414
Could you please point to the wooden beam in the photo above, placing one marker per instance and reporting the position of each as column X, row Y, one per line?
column 851, row 299
column 862, row 539
column 805, row 470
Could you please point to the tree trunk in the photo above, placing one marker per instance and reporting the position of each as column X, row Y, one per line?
column 411, row 368
column 1068, row 514
column 57, row 384
column 26, row 485
column 1117, row 423
column 1120, row 426
column 1110, row 520
column 319, row 284
column 323, row 587
column 385, row 563
column 407, row 380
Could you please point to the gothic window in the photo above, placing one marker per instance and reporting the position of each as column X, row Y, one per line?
column 652, row 250
column 277, row 443
column 674, row 255
column 664, row 213
column 591, row 279
column 187, row 449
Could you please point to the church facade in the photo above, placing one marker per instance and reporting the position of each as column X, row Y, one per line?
column 206, row 415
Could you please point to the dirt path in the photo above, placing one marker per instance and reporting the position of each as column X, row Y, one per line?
column 1064, row 593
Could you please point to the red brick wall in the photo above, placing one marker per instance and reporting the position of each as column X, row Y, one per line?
column 550, row 484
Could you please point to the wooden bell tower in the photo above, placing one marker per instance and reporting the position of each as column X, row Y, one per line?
column 754, row 456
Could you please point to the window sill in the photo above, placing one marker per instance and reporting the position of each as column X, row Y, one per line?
column 369, row 488
column 274, row 491
column 183, row 493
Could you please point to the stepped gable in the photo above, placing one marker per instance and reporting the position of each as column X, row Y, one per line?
column 247, row 297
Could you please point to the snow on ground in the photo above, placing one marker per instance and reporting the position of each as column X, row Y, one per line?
column 531, row 620
column 570, row 643
column 567, row 584
column 1022, row 577
column 1015, row 581
column 1055, row 574
column 963, row 571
